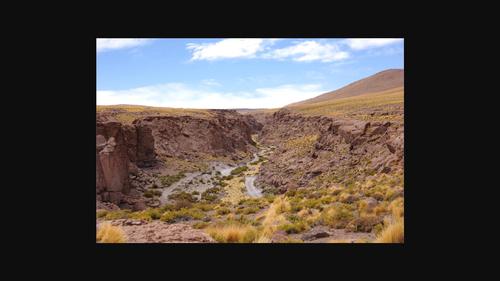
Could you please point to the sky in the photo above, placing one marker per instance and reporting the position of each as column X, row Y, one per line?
column 235, row 73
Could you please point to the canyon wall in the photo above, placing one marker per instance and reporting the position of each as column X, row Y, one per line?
column 222, row 134
column 314, row 151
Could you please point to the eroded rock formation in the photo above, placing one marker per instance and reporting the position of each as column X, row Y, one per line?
column 341, row 150
column 118, row 149
column 188, row 136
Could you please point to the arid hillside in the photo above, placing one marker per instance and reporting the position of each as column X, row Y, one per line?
column 379, row 82
column 326, row 170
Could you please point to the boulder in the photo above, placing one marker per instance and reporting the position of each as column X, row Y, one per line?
column 315, row 234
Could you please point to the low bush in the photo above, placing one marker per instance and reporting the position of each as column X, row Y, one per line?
column 167, row 181
column 291, row 228
column 200, row 225
column 336, row 216
column 182, row 214
column 148, row 214
column 223, row 211
column 182, row 196
column 101, row 213
column 248, row 210
column 239, row 170
column 118, row 214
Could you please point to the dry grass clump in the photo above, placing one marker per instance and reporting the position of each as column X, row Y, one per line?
column 273, row 217
column 337, row 216
column 397, row 208
column 110, row 234
column 393, row 233
column 233, row 233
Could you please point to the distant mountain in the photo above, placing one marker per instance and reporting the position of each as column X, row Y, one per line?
column 379, row 82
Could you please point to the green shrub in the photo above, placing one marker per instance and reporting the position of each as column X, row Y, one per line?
column 293, row 218
column 223, row 211
column 200, row 225
column 182, row 214
column 148, row 193
column 378, row 228
column 211, row 194
column 239, row 170
column 118, row 214
column 204, row 207
column 269, row 198
column 148, row 214
column 101, row 213
column 291, row 228
column 195, row 193
column 182, row 196
column 248, row 210
column 167, row 181
column 312, row 203
column 209, row 197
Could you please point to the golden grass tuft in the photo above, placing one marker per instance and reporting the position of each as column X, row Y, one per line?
column 393, row 233
column 397, row 208
column 273, row 217
column 110, row 234
column 232, row 233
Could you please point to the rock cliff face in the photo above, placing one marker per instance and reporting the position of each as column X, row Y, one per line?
column 312, row 151
column 125, row 151
column 118, row 149
column 187, row 136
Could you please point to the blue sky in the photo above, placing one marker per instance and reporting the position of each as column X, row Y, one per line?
column 235, row 73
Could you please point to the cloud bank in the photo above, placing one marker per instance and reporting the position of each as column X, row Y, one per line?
column 184, row 96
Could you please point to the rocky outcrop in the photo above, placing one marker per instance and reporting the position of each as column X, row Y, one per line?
column 344, row 150
column 222, row 134
column 118, row 148
column 111, row 162
column 140, row 144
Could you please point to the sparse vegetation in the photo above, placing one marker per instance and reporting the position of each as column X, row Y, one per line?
column 150, row 193
column 239, row 170
column 167, row 181
column 182, row 196
column 182, row 214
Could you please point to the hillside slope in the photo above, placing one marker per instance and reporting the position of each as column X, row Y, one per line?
column 379, row 82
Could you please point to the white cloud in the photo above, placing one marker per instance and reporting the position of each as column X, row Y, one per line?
column 228, row 48
column 309, row 51
column 183, row 96
column 105, row 44
column 367, row 43
column 210, row 82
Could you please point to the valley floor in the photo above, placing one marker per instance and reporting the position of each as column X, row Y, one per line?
column 222, row 204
